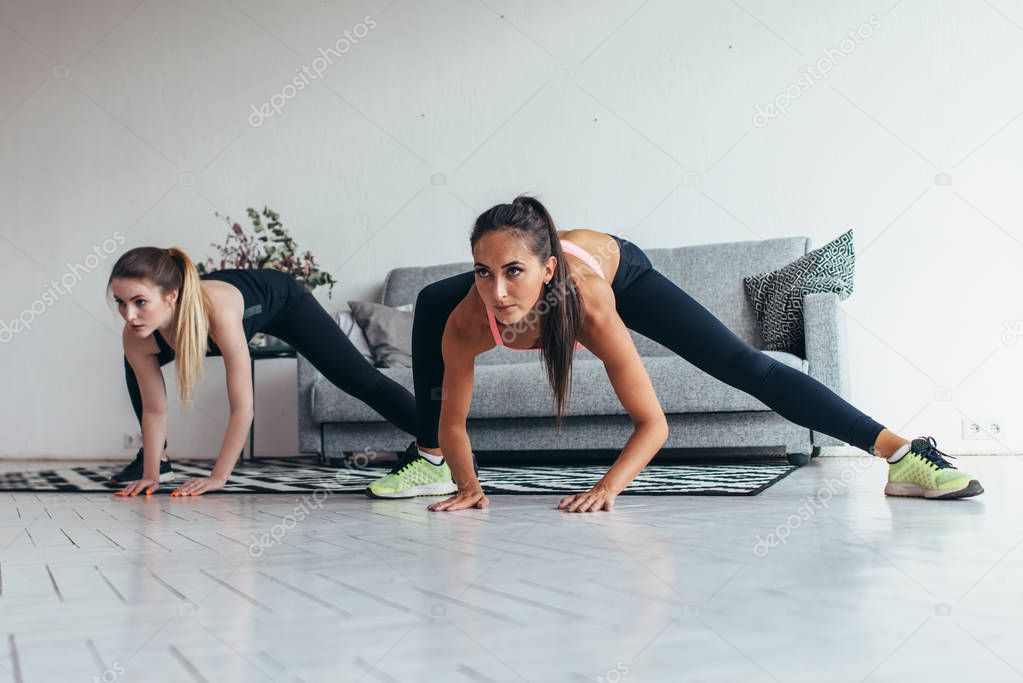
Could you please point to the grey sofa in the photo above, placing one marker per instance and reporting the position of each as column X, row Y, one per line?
column 512, row 410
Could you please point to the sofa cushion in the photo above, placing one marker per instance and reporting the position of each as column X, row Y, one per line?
column 388, row 331
column 351, row 329
column 517, row 390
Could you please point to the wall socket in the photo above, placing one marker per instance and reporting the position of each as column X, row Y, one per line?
column 133, row 440
column 982, row 430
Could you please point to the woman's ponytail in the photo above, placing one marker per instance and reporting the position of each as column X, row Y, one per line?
column 560, row 326
column 192, row 325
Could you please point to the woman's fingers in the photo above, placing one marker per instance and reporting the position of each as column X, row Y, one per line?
column 443, row 505
column 139, row 486
column 460, row 501
column 184, row 488
column 194, row 487
column 590, row 501
column 578, row 502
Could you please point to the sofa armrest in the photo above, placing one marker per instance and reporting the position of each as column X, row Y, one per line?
column 824, row 330
column 309, row 440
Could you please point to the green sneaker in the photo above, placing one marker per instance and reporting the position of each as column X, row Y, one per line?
column 413, row 476
column 923, row 472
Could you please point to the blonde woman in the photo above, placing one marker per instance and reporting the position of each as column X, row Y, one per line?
column 173, row 314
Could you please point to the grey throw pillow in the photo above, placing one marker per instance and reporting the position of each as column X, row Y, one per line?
column 388, row 330
column 777, row 297
column 351, row 329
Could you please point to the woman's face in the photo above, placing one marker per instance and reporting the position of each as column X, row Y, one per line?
column 509, row 277
column 142, row 305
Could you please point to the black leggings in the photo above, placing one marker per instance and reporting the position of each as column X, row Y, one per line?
column 310, row 330
column 654, row 306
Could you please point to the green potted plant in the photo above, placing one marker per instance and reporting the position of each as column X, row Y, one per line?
column 269, row 245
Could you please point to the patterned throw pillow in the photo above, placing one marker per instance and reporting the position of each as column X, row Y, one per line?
column 777, row 297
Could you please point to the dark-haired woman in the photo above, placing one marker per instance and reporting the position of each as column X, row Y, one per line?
column 534, row 287
column 171, row 313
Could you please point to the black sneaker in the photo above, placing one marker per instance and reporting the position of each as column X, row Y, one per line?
column 133, row 471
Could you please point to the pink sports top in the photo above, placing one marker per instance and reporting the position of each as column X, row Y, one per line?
column 569, row 248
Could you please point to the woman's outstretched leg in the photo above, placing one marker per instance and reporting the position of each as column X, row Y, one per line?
column 307, row 327
column 659, row 309
column 656, row 307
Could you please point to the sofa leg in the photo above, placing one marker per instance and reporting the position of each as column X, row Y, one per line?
column 815, row 452
column 798, row 459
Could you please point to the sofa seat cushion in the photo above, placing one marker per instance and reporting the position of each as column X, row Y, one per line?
column 520, row 390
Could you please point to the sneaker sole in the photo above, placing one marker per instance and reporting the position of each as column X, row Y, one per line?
column 439, row 489
column 973, row 488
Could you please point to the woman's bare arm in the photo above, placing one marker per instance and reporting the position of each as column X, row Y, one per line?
column 229, row 335
column 459, row 348
column 238, row 370
column 147, row 371
column 608, row 338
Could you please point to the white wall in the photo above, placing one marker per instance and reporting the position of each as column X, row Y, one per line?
column 631, row 117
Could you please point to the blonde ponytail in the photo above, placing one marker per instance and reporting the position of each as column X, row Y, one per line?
column 193, row 327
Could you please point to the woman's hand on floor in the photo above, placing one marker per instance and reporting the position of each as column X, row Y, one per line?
column 471, row 498
column 138, row 486
column 596, row 499
column 198, row 486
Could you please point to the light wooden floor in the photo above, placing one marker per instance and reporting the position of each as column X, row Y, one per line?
column 95, row 587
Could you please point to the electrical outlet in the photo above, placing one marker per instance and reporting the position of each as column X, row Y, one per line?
column 986, row 429
column 133, row 440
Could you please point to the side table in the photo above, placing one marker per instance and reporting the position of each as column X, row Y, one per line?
column 276, row 350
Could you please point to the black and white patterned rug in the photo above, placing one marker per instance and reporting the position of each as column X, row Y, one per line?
column 301, row 475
